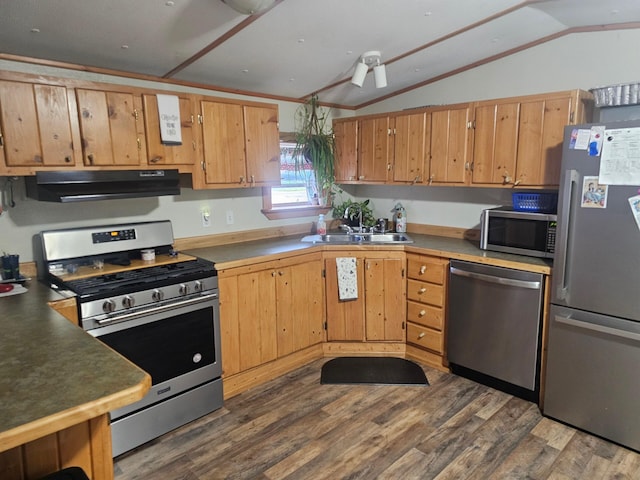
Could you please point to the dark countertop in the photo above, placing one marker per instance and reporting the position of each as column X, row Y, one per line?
column 52, row 373
column 239, row 254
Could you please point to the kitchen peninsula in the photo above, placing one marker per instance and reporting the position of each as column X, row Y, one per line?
column 57, row 385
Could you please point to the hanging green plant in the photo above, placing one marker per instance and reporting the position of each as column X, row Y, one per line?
column 315, row 146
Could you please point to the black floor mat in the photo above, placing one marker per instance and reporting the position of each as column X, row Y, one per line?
column 374, row 370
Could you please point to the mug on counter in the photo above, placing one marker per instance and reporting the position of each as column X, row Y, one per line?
column 10, row 267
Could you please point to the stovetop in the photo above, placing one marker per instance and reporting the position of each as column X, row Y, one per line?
column 89, row 283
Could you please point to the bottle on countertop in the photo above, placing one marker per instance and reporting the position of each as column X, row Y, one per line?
column 399, row 218
column 321, row 227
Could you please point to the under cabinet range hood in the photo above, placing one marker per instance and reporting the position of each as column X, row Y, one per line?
column 82, row 186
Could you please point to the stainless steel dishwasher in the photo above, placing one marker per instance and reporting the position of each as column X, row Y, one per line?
column 493, row 329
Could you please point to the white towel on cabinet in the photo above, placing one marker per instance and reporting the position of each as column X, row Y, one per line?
column 347, row 278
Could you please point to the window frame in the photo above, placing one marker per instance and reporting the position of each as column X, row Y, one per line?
column 288, row 211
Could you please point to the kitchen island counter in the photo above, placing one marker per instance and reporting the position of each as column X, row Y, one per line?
column 54, row 375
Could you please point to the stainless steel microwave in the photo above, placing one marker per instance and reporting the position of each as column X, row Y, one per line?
column 525, row 233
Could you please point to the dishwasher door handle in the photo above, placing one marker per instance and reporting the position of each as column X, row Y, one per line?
column 499, row 280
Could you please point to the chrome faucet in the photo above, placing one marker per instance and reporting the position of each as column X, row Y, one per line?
column 346, row 215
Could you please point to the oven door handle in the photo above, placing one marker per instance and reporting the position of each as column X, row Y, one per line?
column 160, row 309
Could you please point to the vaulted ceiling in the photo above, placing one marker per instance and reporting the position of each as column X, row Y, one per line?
column 297, row 47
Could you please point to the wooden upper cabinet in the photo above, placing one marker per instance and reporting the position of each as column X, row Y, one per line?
column 540, row 140
column 495, row 142
column 374, row 149
column 450, row 145
column 223, row 143
column 346, row 161
column 111, row 128
column 262, row 140
column 241, row 145
column 412, row 137
column 160, row 154
column 36, row 126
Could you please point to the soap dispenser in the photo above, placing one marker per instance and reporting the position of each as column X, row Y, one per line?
column 321, row 228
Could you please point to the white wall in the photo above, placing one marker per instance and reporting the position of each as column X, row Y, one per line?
column 581, row 60
column 577, row 61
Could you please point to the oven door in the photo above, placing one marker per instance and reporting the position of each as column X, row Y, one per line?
column 179, row 347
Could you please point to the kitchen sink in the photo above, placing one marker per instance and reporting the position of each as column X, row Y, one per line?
column 359, row 238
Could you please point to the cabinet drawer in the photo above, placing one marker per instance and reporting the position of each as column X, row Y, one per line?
column 427, row 269
column 425, row 337
column 425, row 292
column 425, row 315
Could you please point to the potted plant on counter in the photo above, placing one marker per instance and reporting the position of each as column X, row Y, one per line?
column 315, row 145
column 353, row 210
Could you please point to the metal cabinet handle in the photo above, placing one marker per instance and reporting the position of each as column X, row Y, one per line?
column 155, row 159
column 422, row 290
column 423, row 268
column 422, row 334
column 281, row 273
column 422, row 313
column 273, row 274
column 67, row 159
column 90, row 158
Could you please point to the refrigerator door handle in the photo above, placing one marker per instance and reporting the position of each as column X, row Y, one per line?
column 598, row 328
column 564, row 219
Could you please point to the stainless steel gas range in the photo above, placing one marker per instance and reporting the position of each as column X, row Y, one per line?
column 156, row 307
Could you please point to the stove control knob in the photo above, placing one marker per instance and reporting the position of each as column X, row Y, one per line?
column 128, row 301
column 157, row 295
column 198, row 287
column 108, row 306
column 184, row 289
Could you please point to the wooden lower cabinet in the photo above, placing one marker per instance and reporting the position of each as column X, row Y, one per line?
column 378, row 314
column 270, row 310
column 86, row 445
column 426, row 299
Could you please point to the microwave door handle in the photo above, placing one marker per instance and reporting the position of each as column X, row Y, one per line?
column 567, row 204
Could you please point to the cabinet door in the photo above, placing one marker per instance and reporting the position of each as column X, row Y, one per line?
column 540, row 140
column 374, row 149
column 300, row 309
column 449, row 145
column 411, row 147
column 161, row 154
column 262, row 145
column 257, row 318
column 35, row 125
column 385, row 299
column 345, row 318
column 108, row 127
column 223, row 142
column 495, row 143
column 346, row 162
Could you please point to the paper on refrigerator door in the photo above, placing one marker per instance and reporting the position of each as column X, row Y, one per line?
column 620, row 161
column 634, row 203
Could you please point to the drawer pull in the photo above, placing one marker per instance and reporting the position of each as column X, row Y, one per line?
column 423, row 269
column 422, row 313
column 422, row 334
column 422, row 290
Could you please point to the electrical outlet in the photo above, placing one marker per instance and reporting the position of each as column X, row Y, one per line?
column 229, row 217
column 206, row 217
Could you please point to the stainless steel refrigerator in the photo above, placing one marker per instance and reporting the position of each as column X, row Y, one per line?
column 593, row 356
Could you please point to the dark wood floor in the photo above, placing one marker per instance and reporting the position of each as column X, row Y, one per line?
column 295, row 428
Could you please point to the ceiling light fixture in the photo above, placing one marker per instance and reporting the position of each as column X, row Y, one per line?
column 362, row 67
column 249, row 7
